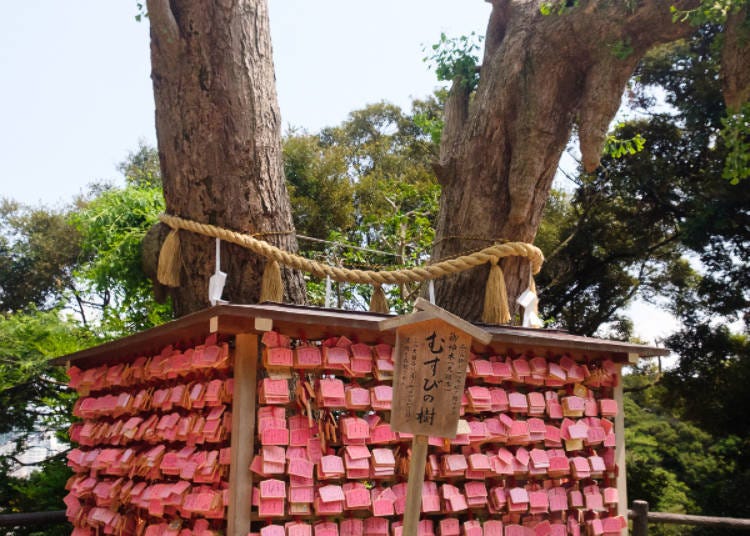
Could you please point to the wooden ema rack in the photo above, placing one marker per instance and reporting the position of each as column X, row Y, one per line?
column 273, row 420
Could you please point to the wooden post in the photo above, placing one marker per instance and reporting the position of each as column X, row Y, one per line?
column 430, row 358
column 414, row 486
column 640, row 518
column 243, row 434
column 622, row 486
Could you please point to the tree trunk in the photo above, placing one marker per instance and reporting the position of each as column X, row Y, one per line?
column 540, row 77
column 735, row 59
column 219, row 138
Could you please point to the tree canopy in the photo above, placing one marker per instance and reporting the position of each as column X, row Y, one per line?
column 74, row 279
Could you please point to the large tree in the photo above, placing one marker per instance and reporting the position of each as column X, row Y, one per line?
column 219, row 138
column 550, row 68
column 542, row 76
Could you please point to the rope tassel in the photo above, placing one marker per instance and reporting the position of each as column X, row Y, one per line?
column 271, row 286
column 496, row 310
column 168, row 270
column 378, row 301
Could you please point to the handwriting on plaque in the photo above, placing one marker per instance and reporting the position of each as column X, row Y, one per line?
column 429, row 378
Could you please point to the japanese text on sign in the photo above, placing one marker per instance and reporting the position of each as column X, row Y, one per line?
column 429, row 378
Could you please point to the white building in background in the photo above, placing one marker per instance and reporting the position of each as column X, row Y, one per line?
column 41, row 446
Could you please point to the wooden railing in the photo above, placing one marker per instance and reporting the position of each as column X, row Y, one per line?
column 25, row 519
column 642, row 517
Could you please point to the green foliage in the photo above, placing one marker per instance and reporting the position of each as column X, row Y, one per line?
column 456, row 58
column 714, row 368
column 86, row 255
column 615, row 235
column 631, row 224
column 37, row 248
column 367, row 183
column 35, row 402
column 736, row 136
column 84, row 258
column 319, row 186
column 41, row 491
column 112, row 226
column 141, row 12
column 617, row 148
column 433, row 126
column 622, row 49
column 32, row 394
column 664, row 224
column 675, row 463
column 29, row 339
column 708, row 12
column 141, row 168
column 558, row 7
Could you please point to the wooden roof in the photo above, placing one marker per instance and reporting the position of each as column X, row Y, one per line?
column 316, row 323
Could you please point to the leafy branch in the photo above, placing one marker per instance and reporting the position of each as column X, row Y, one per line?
column 617, row 148
column 559, row 7
column 708, row 12
column 736, row 136
column 456, row 58
column 142, row 11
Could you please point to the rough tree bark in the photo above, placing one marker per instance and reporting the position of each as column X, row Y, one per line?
column 735, row 60
column 219, row 138
column 541, row 76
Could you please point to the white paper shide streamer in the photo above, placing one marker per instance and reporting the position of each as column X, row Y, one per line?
column 329, row 297
column 529, row 300
column 217, row 281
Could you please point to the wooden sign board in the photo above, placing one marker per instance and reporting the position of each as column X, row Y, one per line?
column 430, row 371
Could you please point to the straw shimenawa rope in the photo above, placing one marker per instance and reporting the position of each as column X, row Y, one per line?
column 443, row 268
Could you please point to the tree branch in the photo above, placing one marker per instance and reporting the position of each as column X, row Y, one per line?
column 568, row 175
column 56, row 456
column 455, row 116
column 164, row 26
column 79, row 301
column 64, row 386
column 640, row 387
column 497, row 25
column 564, row 243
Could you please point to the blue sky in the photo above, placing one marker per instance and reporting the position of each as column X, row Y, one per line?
column 76, row 95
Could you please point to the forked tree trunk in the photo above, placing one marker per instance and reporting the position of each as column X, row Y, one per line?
column 219, row 138
column 540, row 77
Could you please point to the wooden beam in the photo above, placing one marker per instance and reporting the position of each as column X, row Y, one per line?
column 246, row 356
column 319, row 323
column 427, row 311
column 397, row 321
column 263, row 324
column 477, row 333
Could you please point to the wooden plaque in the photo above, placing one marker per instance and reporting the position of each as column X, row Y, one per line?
column 430, row 371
